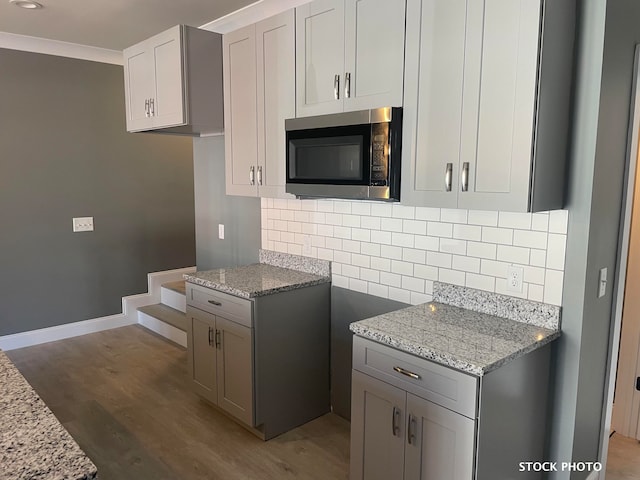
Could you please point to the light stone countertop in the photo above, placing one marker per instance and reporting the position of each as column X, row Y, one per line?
column 472, row 342
column 255, row 280
column 33, row 443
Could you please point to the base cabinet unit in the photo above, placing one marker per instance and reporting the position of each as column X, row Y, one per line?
column 486, row 103
column 173, row 83
column 264, row 361
column 259, row 94
column 349, row 55
column 414, row 419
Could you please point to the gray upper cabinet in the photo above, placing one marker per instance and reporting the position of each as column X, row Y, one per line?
column 486, row 103
column 173, row 83
column 259, row 81
column 349, row 55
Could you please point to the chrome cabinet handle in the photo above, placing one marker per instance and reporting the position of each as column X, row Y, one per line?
column 259, row 174
column 336, row 87
column 252, row 175
column 147, row 113
column 153, row 107
column 210, row 336
column 411, row 435
column 407, row 373
column 217, row 338
column 395, row 416
column 465, row 176
column 213, row 302
column 347, row 85
column 448, row 177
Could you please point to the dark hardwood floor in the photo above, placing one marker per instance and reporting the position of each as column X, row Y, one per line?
column 123, row 395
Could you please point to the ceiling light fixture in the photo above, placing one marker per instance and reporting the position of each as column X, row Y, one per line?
column 28, row 4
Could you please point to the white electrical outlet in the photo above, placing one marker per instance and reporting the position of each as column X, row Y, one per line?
column 514, row 278
column 221, row 231
column 306, row 245
column 83, row 224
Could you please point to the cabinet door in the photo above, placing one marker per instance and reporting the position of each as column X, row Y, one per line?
column 440, row 442
column 276, row 99
column 201, row 353
column 240, row 111
column 499, row 107
column 168, row 102
column 432, row 114
column 374, row 53
column 235, row 369
column 319, row 57
column 377, row 429
column 139, row 86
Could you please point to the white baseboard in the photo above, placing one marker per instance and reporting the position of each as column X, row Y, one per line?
column 164, row 329
column 129, row 316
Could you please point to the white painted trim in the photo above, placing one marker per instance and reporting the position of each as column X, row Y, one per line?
column 594, row 475
column 129, row 315
column 173, row 299
column 250, row 14
column 26, row 43
column 633, row 143
column 164, row 329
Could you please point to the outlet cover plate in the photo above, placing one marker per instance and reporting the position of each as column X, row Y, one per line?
column 515, row 278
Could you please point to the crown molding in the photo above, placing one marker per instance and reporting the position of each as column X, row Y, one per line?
column 250, row 14
column 26, row 43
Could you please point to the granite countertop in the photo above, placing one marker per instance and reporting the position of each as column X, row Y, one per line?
column 33, row 444
column 472, row 342
column 255, row 280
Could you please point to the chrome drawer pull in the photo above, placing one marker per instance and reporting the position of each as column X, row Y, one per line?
column 448, row 174
column 407, row 373
column 217, row 304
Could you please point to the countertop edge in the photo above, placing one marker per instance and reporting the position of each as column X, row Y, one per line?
column 248, row 295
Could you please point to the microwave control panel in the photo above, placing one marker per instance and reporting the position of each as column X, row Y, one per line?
column 380, row 149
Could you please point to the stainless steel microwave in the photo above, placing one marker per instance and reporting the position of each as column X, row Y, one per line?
column 345, row 155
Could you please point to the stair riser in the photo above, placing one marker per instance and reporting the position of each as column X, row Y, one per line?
column 173, row 299
column 164, row 329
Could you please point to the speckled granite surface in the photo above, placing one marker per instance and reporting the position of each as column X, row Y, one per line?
column 255, row 280
column 518, row 309
column 296, row 262
column 469, row 341
column 33, row 444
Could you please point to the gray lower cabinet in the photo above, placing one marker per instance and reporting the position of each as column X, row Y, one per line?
column 264, row 361
column 414, row 419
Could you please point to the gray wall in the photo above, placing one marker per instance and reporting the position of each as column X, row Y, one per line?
column 608, row 34
column 239, row 215
column 64, row 153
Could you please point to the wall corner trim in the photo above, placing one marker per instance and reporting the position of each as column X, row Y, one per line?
column 129, row 315
column 26, row 43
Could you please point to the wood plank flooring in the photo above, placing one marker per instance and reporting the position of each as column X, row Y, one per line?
column 623, row 462
column 123, row 395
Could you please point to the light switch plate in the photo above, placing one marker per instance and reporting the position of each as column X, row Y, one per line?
column 602, row 283
column 221, row 231
column 83, row 224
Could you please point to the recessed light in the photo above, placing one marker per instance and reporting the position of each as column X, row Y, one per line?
column 28, row 4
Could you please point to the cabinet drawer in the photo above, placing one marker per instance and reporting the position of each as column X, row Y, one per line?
column 219, row 303
column 454, row 390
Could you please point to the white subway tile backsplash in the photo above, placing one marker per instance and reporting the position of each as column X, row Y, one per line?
column 480, row 217
column 397, row 251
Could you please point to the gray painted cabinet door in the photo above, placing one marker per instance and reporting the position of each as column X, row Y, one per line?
column 235, row 369
column 440, row 442
column 319, row 57
column 202, row 355
column 240, row 111
column 377, row 429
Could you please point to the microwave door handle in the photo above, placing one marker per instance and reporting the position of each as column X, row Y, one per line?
column 336, row 86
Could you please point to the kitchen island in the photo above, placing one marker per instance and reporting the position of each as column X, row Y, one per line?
column 33, row 443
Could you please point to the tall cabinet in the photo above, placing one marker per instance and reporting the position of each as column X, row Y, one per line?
column 259, row 94
column 486, row 103
column 349, row 55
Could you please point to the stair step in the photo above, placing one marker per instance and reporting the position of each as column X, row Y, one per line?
column 166, row 314
column 178, row 286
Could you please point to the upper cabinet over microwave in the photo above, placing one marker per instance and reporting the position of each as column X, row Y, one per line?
column 173, row 83
column 486, row 105
column 349, row 55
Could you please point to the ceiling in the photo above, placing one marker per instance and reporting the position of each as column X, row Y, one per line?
column 111, row 24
